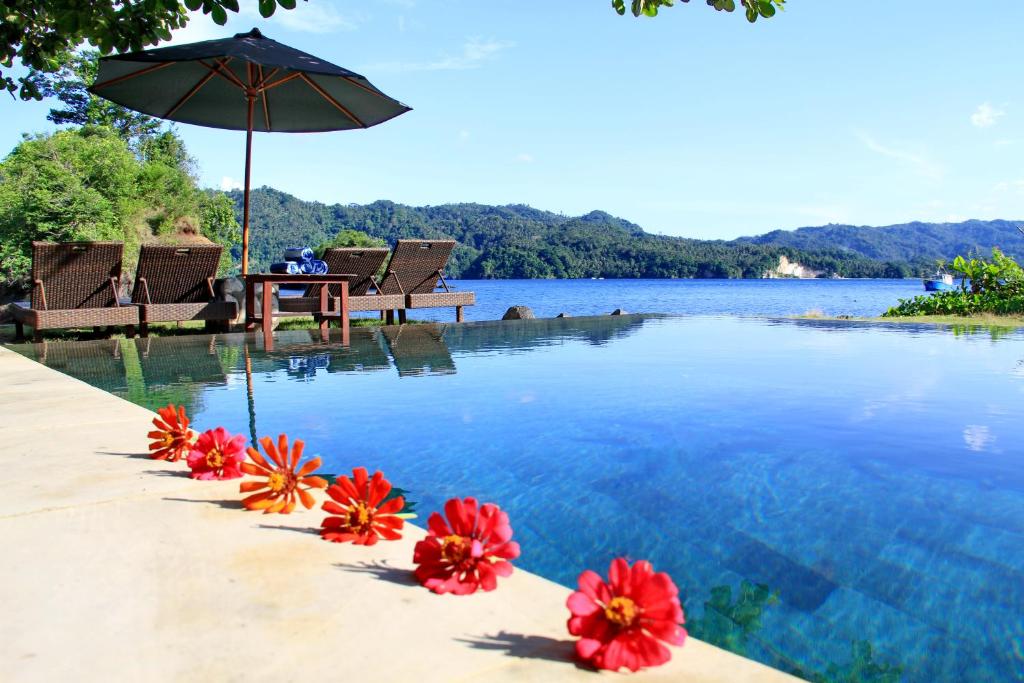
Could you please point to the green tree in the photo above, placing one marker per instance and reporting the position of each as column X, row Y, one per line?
column 71, row 185
column 81, row 108
column 40, row 33
column 351, row 238
column 87, row 184
column 752, row 8
column 217, row 223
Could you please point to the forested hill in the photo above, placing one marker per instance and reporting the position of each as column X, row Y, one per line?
column 905, row 242
column 518, row 241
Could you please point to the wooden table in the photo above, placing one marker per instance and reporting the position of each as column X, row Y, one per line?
column 266, row 314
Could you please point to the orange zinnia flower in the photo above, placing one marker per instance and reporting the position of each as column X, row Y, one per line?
column 364, row 516
column 172, row 438
column 283, row 477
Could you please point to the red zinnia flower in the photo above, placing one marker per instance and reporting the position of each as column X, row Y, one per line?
column 217, row 455
column 621, row 622
column 470, row 554
column 172, row 438
column 282, row 479
column 363, row 519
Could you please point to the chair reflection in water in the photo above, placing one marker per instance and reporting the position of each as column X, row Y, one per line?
column 419, row 349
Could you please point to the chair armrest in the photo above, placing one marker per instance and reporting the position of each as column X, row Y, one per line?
column 209, row 284
column 42, row 291
column 145, row 290
column 114, row 285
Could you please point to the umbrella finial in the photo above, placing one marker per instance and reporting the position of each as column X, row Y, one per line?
column 255, row 33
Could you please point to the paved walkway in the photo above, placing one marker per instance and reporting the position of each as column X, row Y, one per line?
column 117, row 567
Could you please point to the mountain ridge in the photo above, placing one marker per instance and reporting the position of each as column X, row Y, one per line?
column 520, row 241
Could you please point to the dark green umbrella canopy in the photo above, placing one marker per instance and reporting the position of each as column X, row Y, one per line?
column 247, row 82
column 208, row 83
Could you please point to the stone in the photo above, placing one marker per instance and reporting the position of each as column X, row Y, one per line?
column 233, row 288
column 518, row 313
column 563, row 315
column 618, row 311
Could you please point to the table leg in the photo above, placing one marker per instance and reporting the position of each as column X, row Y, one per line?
column 324, row 320
column 343, row 312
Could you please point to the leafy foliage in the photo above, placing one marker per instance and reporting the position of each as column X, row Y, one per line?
column 521, row 242
column 81, row 108
column 350, row 238
column 728, row 623
column 752, row 8
column 87, row 184
column 861, row 668
column 986, row 286
column 41, row 33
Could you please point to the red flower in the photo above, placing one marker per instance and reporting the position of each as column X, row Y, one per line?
column 470, row 554
column 172, row 438
column 217, row 455
column 620, row 623
column 363, row 519
column 283, row 478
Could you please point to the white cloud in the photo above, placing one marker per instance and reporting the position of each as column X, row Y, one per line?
column 525, row 158
column 307, row 17
column 464, row 135
column 1005, row 142
column 921, row 164
column 228, row 183
column 1010, row 186
column 475, row 51
column 986, row 116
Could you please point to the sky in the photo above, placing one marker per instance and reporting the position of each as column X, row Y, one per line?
column 694, row 123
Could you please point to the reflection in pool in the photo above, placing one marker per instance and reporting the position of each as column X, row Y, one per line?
column 830, row 497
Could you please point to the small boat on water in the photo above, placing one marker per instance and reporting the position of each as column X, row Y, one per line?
column 940, row 282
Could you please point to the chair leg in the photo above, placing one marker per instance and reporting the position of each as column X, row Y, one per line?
column 19, row 331
column 129, row 330
column 389, row 318
column 458, row 314
column 401, row 316
column 143, row 329
column 37, row 336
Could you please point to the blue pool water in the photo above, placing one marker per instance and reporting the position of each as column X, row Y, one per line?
column 829, row 496
column 548, row 298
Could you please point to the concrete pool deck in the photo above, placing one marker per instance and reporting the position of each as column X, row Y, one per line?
column 119, row 567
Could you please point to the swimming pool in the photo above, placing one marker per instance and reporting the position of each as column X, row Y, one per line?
column 844, row 496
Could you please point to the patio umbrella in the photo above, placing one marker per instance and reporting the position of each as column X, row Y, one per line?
column 247, row 82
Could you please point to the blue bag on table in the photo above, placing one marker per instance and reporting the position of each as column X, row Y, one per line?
column 314, row 267
column 286, row 268
column 298, row 254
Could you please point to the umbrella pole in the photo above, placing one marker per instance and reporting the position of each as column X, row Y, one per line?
column 245, row 206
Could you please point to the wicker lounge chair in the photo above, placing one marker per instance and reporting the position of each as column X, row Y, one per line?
column 176, row 283
column 74, row 284
column 415, row 270
column 361, row 262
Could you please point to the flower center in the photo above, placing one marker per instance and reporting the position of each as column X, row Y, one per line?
column 454, row 548
column 621, row 611
column 360, row 516
column 277, row 481
column 214, row 458
column 168, row 438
